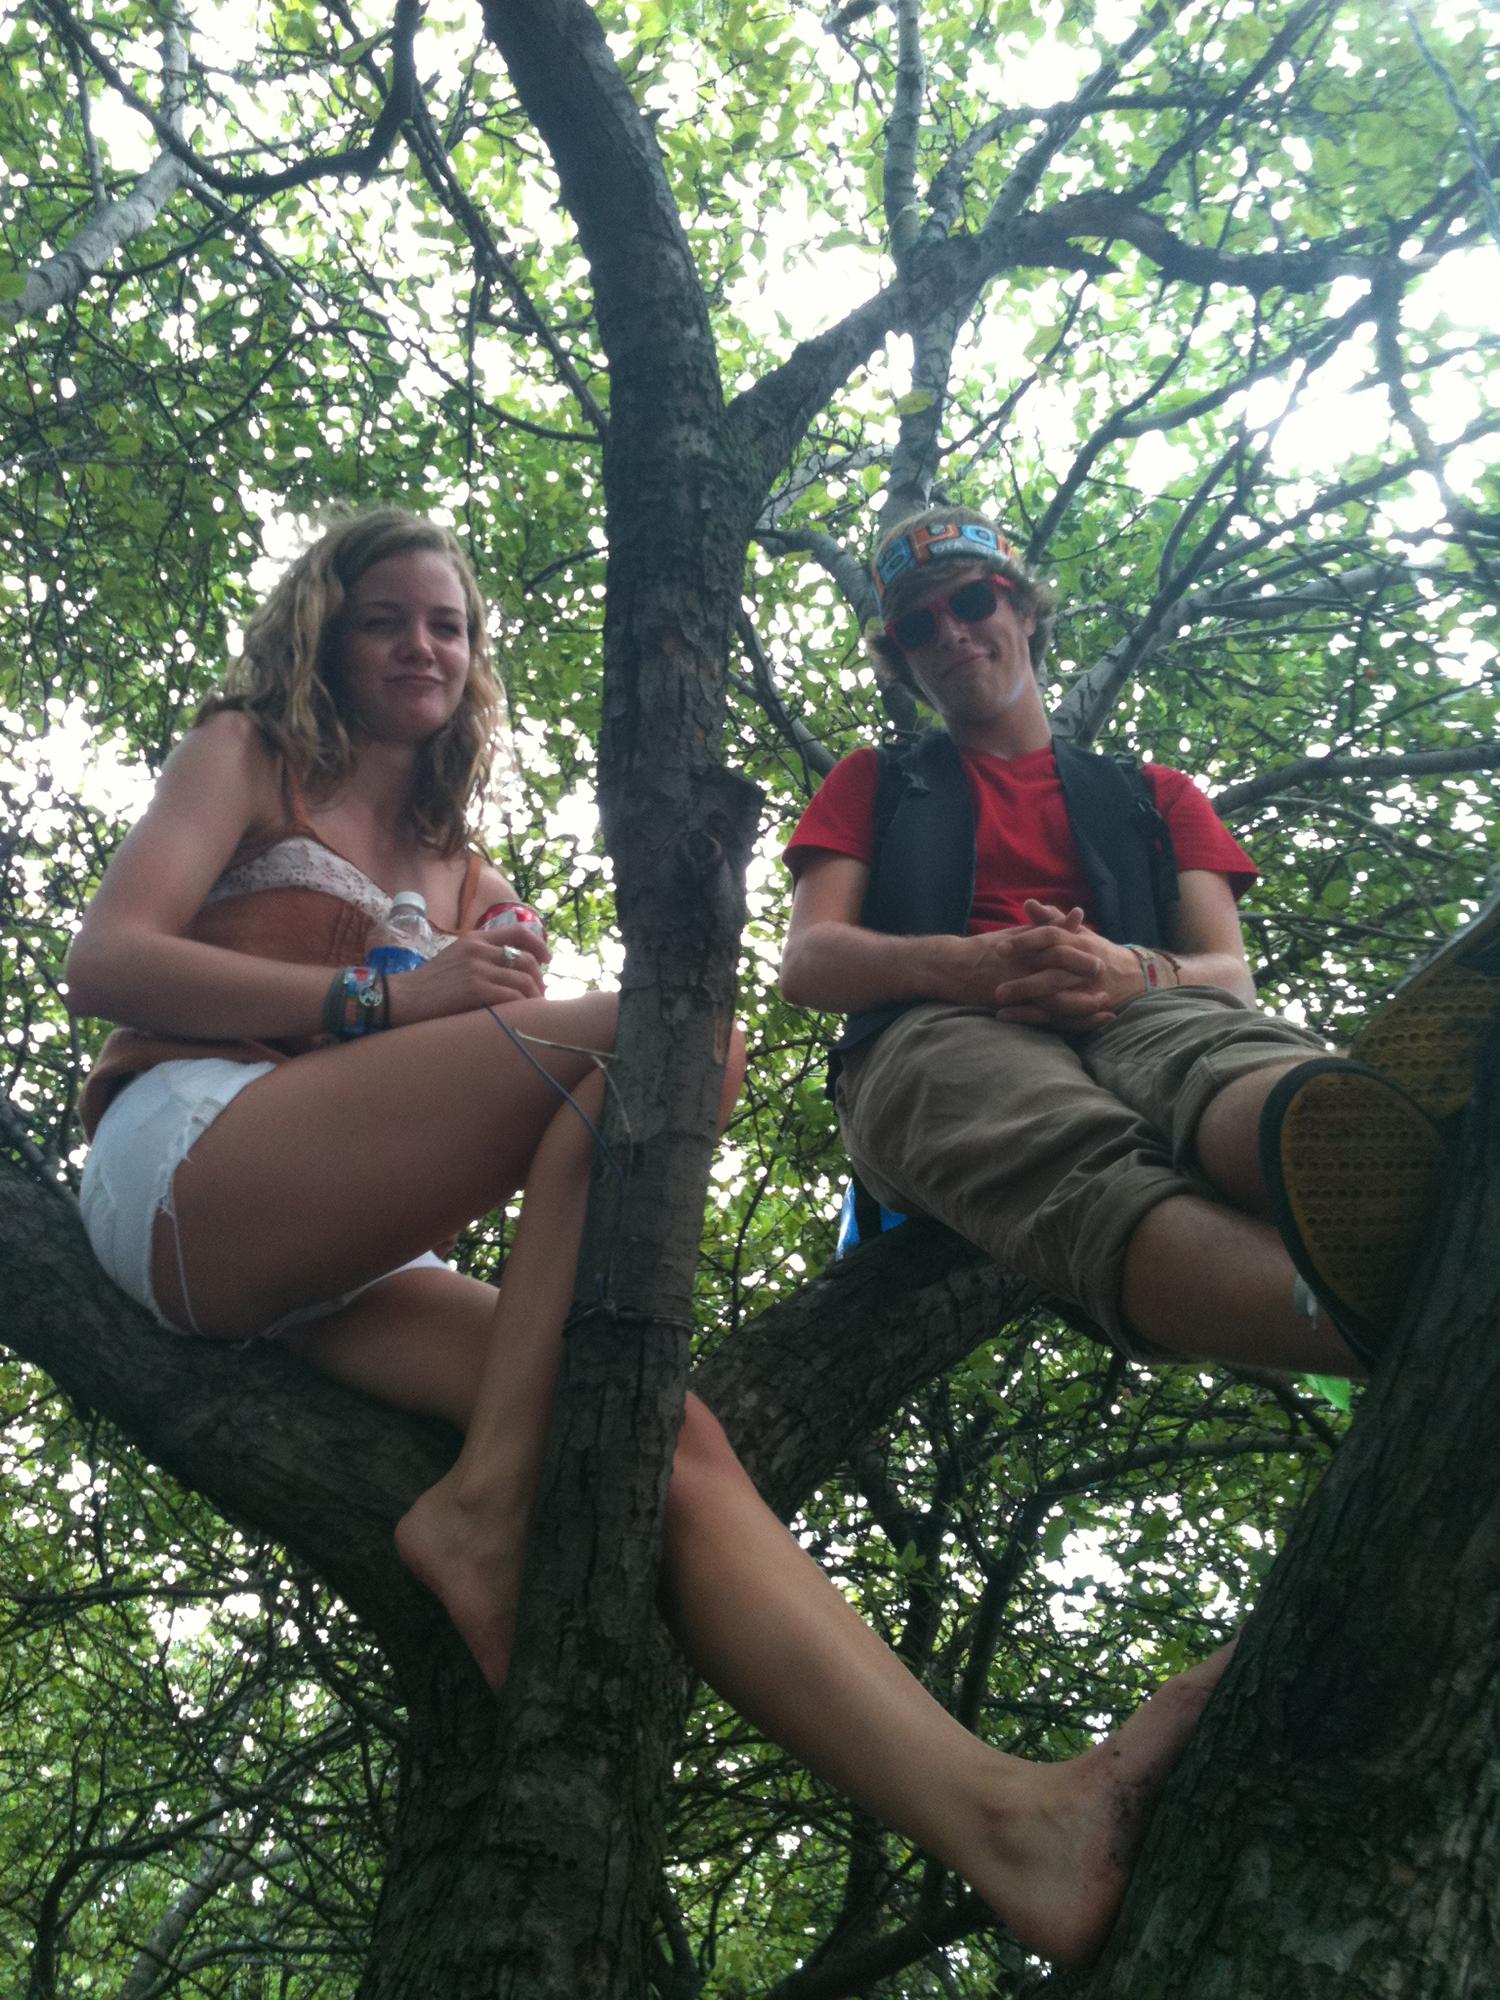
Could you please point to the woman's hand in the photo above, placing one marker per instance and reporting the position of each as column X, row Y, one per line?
column 479, row 969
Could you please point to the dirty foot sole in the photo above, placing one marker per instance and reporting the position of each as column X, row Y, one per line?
column 1427, row 1036
column 1354, row 1172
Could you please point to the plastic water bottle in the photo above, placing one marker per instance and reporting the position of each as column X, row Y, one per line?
column 403, row 939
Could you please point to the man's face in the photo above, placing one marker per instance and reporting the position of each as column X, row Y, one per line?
column 972, row 670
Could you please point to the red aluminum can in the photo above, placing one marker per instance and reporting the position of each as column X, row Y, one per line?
column 500, row 914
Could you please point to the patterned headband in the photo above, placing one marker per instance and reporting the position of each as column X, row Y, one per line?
column 966, row 539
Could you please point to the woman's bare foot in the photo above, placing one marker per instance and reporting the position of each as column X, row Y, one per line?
column 1061, row 1864
column 468, row 1550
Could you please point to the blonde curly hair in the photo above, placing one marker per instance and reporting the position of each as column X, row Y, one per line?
column 1032, row 596
column 288, row 676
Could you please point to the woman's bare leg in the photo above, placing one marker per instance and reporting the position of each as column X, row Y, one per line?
column 347, row 1162
column 465, row 1537
column 1049, row 1846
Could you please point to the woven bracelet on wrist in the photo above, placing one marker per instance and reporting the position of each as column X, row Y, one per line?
column 1150, row 970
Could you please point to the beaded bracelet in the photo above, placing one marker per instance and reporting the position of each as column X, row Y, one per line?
column 358, row 1003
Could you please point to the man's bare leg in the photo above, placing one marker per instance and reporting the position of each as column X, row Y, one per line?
column 1359, row 1169
column 1213, row 1282
column 1210, row 1284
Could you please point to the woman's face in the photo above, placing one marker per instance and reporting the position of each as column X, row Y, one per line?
column 405, row 648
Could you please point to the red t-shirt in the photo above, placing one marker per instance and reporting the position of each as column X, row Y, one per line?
column 1024, row 844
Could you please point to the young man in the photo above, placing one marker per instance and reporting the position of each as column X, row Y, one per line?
column 1053, row 1044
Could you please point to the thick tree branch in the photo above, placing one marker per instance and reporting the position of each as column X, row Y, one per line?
column 1351, row 1745
column 903, row 220
column 1304, row 771
column 652, row 316
column 914, row 465
column 1049, row 237
column 842, row 565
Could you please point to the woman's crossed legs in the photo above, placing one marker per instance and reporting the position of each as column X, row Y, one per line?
column 338, row 1166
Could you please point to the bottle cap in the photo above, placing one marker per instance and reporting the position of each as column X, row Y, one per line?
column 409, row 899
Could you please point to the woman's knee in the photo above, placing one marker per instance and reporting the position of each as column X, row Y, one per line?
column 703, row 1465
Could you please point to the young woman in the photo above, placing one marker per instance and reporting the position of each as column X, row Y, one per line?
column 278, row 1144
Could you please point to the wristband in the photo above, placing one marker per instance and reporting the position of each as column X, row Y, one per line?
column 358, row 1003
column 1150, row 970
column 1174, row 962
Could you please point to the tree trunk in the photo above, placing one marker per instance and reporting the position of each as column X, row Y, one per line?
column 1334, row 1831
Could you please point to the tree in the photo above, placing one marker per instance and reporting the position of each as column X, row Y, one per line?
column 325, row 261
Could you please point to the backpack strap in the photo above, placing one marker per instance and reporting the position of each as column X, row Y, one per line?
column 1123, row 843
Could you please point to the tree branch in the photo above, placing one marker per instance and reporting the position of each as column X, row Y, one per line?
column 114, row 223
column 1022, row 182
column 903, row 219
column 355, row 160
column 1330, row 770
column 763, row 681
column 1045, row 238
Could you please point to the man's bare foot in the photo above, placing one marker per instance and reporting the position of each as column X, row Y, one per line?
column 469, row 1553
column 1063, row 1861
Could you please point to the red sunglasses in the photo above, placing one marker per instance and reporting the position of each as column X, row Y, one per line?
column 971, row 603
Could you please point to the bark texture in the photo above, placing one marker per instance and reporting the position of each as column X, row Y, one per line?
column 575, row 1834
column 1334, row 1831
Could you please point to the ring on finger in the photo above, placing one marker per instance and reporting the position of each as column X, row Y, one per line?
column 509, row 956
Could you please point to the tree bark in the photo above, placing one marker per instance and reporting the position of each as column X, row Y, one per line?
column 1334, row 1830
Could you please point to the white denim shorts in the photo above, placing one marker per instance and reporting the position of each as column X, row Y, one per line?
column 141, row 1141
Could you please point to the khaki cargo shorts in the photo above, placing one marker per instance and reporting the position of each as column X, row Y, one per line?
column 1047, row 1150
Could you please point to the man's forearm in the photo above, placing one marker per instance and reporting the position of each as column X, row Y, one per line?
column 1225, row 969
column 842, row 969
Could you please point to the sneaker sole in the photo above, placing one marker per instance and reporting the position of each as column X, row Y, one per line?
column 1427, row 1036
column 1354, row 1171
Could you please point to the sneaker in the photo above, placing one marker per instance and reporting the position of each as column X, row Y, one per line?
column 1426, row 1038
column 1354, row 1171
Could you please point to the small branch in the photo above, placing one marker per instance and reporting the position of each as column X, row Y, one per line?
column 492, row 262
column 1025, row 177
column 86, row 121
column 813, row 754
column 43, row 1167
column 1387, row 296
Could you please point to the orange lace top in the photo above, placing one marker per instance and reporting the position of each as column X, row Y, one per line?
column 285, row 895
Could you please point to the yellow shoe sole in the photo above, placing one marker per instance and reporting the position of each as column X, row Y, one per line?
column 1427, row 1036
column 1354, row 1172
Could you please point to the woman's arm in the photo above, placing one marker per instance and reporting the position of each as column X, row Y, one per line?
column 131, row 962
